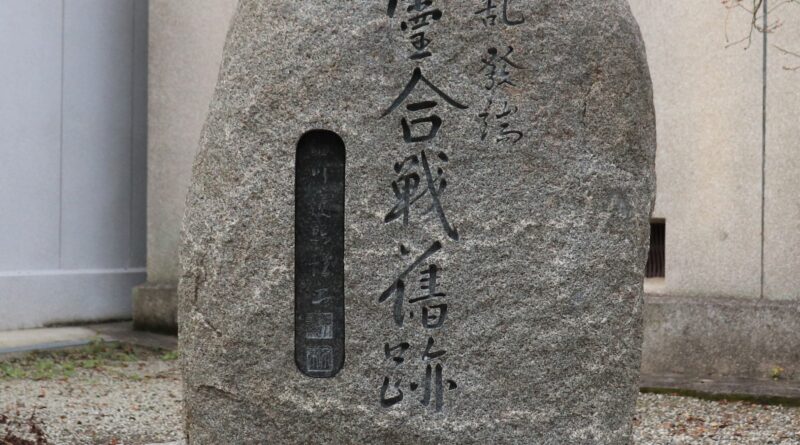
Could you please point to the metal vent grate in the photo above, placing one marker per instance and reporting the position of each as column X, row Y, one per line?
column 655, row 259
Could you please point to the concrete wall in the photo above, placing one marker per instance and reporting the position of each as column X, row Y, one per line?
column 782, row 232
column 708, row 110
column 720, row 312
column 709, row 101
column 186, row 40
column 72, row 159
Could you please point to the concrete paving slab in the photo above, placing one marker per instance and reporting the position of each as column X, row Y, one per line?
column 765, row 391
column 124, row 332
column 27, row 340
column 46, row 338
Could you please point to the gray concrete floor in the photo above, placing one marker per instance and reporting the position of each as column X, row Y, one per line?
column 27, row 340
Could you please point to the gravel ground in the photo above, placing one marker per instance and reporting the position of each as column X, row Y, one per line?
column 136, row 401
column 102, row 401
column 671, row 420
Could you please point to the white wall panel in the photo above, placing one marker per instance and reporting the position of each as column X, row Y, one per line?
column 30, row 133
column 72, row 159
column 98, row 66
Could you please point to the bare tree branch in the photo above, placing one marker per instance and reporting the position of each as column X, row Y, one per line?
column 754, row 9
column 789, row 53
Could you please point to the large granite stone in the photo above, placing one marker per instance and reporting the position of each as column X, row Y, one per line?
column 527, row 166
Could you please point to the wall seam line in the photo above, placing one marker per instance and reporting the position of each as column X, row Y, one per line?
column 132, row 148
column 61, row 142
column 765, row 33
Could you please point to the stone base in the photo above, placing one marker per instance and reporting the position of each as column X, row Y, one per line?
column 764, row 391
column 155, row 307
column 721, row 338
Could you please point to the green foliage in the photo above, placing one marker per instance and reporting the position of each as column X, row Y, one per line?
column 170, row 356
column 62, row 364
column 8, row 370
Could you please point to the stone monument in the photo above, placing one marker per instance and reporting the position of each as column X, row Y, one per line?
column 420, row 222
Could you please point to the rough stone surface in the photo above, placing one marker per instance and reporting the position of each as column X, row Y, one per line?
column 544, row 284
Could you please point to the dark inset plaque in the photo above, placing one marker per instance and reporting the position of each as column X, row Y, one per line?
column 319, row 254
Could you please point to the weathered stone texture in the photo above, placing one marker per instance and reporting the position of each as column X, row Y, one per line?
column 544, row 284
